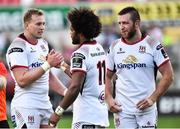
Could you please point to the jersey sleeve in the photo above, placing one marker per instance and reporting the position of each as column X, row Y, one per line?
column 78, row 62
column 160, row 55
column 17, row 55
column 110, row 58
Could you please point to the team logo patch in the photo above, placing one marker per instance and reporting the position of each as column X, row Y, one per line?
column 142, row 49
column 15, row 49
column 30, row 119
column 77, row 60
column 43, row 48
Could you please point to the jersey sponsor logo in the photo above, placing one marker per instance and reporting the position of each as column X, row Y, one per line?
column 36, row 64
column 101, row 97
column 15, row 49
column 159, row 47
column 130, row 59
column 32, row 50
column 164, row 53
column 120, row 51
column 130, row 62
column 97, row 54
column 129, row 66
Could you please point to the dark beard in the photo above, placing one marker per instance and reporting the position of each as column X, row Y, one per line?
column 76, row 40
column 132, row 33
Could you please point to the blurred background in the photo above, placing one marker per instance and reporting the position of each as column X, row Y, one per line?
column 160, row 19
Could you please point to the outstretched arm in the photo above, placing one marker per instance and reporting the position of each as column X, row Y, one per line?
column 24, row 76
column 69, row 98
column 66, row 68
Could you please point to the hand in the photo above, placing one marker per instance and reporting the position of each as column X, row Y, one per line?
column 114, row 106
column 145, row 103
column 54, row 58
column 53, row 120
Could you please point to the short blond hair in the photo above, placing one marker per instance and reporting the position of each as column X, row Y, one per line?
column 30, row 12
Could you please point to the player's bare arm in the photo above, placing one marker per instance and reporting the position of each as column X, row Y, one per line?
column 66, row 68
column 69, row 98
column 56, row 85
column 24, row 76
column 112, row 104
column 161, row 88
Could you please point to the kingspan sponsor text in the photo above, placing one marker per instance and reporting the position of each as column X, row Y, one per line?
column 129, row 66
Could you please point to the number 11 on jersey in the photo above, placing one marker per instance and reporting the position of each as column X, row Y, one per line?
column 101, row 66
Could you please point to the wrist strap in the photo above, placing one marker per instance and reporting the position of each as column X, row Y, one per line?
column 59, row 111
column 46, row 66
column 65, row 91
column 62, row 67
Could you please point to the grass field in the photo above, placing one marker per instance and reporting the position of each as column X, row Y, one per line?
column 163, row 122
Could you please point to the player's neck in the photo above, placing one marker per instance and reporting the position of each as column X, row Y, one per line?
column 30, row 38
column 83, row 40
column 136, row 38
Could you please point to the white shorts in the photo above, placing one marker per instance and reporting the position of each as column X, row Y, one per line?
column 86, row 125
column 29, row 118
column 147, row 120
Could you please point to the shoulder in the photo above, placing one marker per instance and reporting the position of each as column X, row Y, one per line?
column 84, row 49
column 17, row 45
column 79, row 53
column 113, row 45
column 152, row 42
column 18, row 42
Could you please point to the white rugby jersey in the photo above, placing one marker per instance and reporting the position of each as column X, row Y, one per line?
column 23, row 54
column 90, row 105
column 136, row 66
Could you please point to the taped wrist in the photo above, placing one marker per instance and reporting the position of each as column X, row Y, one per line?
column 62, row 67
column 65, row 92
column 46, row 66
column 59, row 111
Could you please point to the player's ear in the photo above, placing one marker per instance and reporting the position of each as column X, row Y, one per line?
column 25, row 25
column 137, row 23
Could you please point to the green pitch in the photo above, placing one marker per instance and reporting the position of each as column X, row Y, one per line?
column 163, row 122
